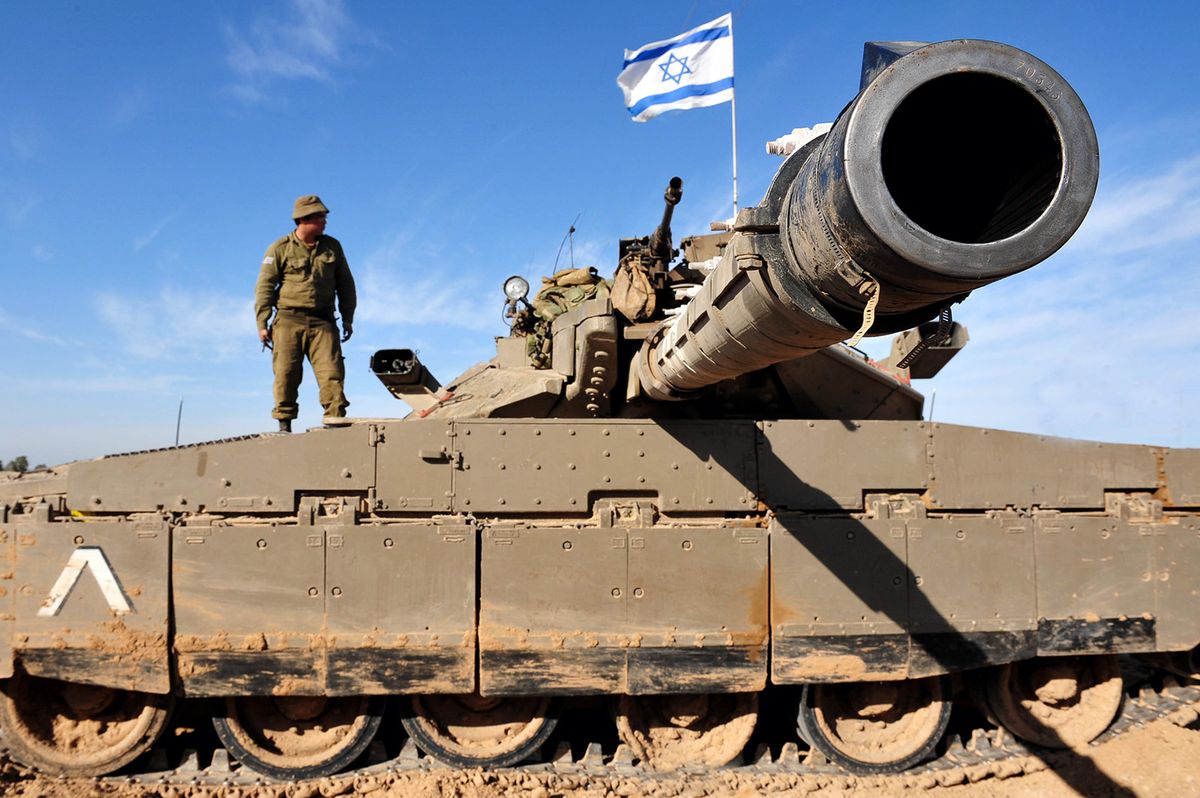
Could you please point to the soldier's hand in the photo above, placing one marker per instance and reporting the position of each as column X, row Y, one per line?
column 347, row 331
column 264, row 335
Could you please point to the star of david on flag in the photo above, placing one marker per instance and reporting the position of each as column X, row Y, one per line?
column 691, row 70
column 679, row 71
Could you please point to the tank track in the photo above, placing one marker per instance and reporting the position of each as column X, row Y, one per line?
column 981, row 754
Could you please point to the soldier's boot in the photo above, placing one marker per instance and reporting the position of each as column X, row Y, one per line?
column 285, row 425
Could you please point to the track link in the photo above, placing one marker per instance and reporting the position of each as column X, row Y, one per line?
column 985, row 753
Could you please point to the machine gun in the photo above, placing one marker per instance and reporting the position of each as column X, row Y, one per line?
column 660, row 241
column 640, row 285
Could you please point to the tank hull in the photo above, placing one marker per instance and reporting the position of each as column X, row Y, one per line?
column 657, row 557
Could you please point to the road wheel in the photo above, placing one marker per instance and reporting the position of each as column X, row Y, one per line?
column 298, row 737
column 875, row 727
column 1057, row 702
column 669, row 731
column 78, row 729
column 474, row 731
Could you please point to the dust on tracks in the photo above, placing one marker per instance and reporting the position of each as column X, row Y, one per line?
column 1121, row 768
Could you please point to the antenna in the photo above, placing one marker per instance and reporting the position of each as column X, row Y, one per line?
column 570, row 235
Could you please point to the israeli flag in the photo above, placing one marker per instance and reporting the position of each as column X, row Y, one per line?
column 692, row 70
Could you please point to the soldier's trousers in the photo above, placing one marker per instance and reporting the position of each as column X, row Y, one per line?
column 296, row 336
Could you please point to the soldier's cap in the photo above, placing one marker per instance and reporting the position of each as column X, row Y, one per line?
column 307, row 205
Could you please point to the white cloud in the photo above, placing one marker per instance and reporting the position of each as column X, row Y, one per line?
column 42, row 253
column 396, row 298
column 1156, row 211
column 139, row 384
column 247, row 95
column 404, row 285
column 580, row 253
column 107, row 383
column 141, row 242
column 11, row 325
column 187, row 324
column 306, row 42
column 1099, row 342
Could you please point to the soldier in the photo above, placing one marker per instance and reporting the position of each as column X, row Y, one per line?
column 301, row 274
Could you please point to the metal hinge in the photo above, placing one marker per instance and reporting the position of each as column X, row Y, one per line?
column 306, row 512
column 1136, row 508
column 897, row 505
column 347, row 511
column 632, row 514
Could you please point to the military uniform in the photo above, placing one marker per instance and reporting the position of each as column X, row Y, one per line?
column 302, row 283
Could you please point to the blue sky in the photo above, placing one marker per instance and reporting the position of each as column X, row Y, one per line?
column 149, row 152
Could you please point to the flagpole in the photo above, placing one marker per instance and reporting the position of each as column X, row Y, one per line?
column 733, row 115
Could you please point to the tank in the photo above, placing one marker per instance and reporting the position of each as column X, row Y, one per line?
column 681, row 494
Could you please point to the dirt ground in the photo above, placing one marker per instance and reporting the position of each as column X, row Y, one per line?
column 1162, row 759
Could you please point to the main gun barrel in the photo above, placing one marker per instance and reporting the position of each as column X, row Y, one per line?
column 957, row 165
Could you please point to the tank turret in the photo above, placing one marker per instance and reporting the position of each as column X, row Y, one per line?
column 958, row 164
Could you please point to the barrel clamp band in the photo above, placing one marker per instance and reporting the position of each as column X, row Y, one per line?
column 854, row 275
column 945, row 323
column 872, row 288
